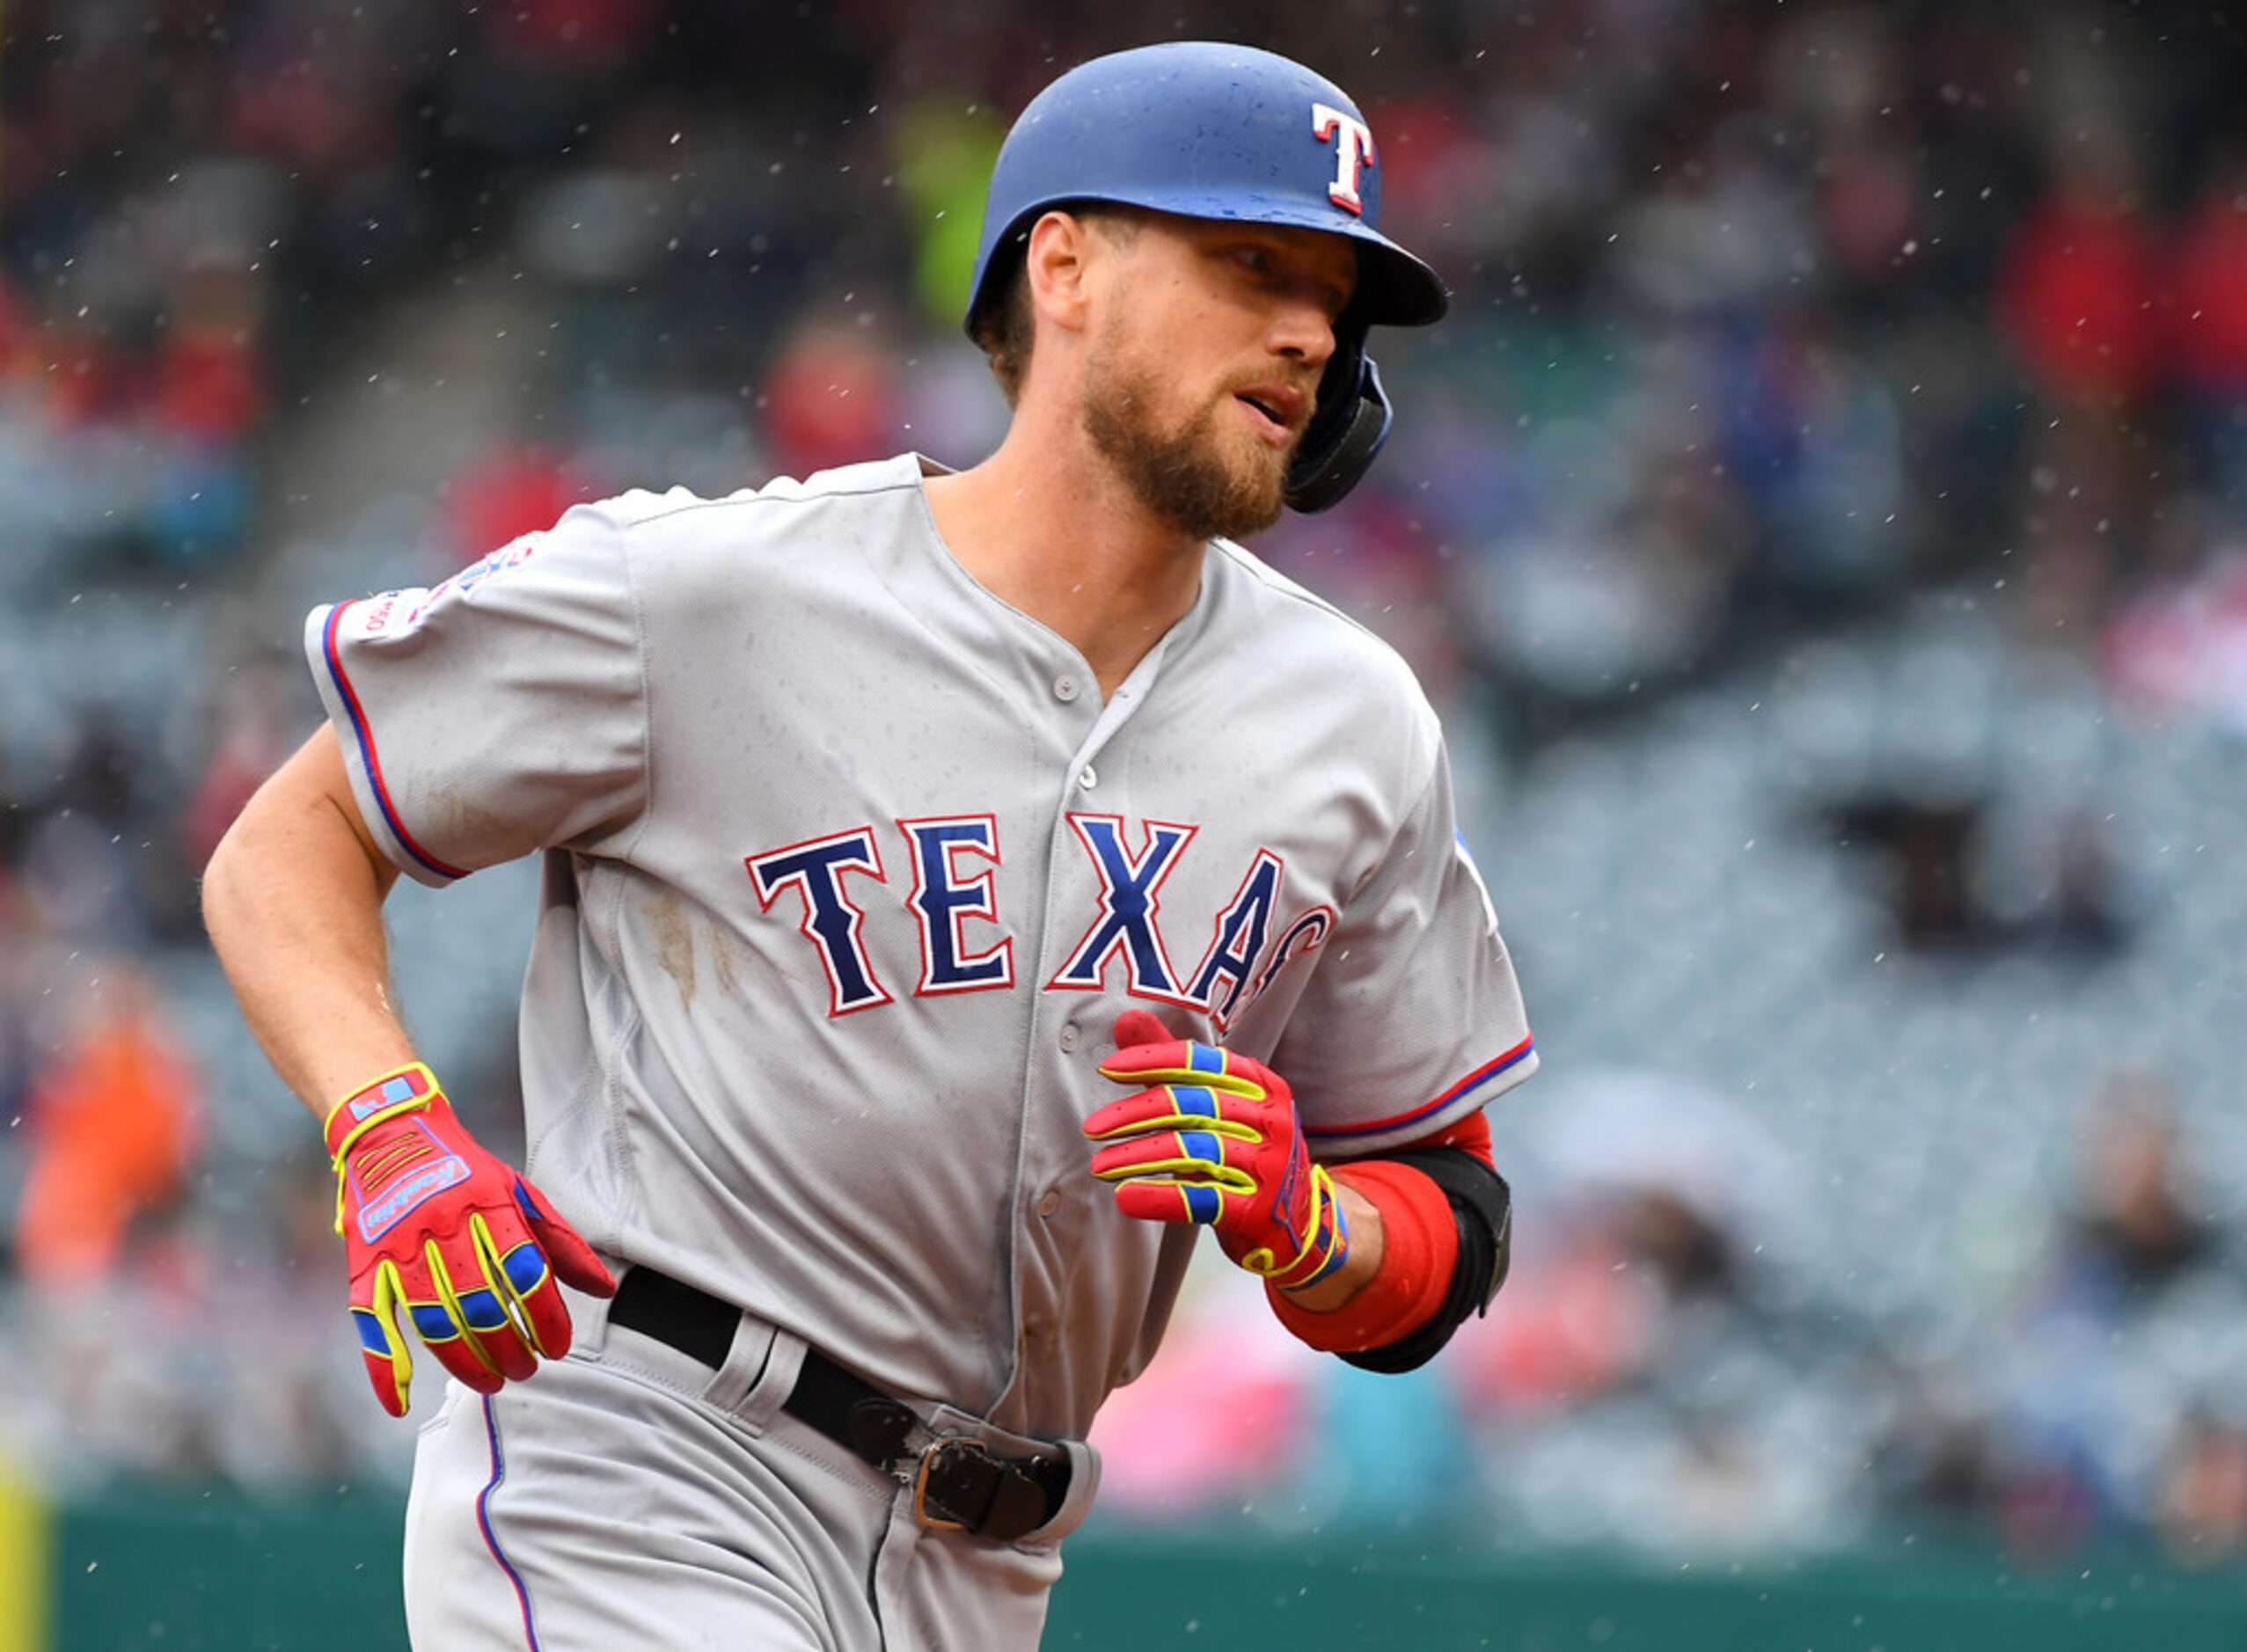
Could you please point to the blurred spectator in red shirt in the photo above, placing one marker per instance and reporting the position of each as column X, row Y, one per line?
column 2076, row 291
column 831, row 399
column 2208, row 333
column 2208, row 272
column 508, row 491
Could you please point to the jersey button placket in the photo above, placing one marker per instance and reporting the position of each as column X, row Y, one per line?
column 1065, row 688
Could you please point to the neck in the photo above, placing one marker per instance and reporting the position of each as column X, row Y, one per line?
column 1044, row 524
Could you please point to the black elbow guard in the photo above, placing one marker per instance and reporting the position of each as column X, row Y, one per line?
column 1483, row 1206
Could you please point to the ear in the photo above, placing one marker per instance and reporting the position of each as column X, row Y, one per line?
column 1059, row 265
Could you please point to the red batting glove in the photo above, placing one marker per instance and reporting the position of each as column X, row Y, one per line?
column 1217, row 1141
column 430, row 1220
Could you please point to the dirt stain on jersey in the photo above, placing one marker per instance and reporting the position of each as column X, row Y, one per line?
column 465, row 821
column 674, row 933
column 723, row 945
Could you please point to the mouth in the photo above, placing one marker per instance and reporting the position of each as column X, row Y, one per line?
column 1275, row 411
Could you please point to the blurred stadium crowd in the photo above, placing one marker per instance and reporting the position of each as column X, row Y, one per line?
column 1824, row 522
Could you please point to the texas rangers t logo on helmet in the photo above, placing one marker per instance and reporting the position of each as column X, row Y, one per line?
column 1353, row 141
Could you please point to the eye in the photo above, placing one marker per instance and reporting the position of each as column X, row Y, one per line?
column 1253, row 258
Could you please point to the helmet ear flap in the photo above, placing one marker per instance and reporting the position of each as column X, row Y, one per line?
column 1347, row 431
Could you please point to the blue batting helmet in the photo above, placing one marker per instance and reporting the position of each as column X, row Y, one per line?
column 1209, row 130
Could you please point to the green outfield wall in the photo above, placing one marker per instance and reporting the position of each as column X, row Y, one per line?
column 218, row 1571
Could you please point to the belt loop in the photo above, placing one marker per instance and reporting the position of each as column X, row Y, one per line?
column 1084, row 1485
column 758, row 1374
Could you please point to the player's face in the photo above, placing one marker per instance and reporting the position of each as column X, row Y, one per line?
column 1204, row 366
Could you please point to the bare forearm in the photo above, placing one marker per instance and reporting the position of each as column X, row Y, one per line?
column 293, row 902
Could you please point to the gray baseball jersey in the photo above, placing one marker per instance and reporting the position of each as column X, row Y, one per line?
column 849, row 870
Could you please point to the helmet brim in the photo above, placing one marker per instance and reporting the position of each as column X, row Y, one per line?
column 1394, row 287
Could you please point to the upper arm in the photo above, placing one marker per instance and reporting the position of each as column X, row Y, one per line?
column 500, row 711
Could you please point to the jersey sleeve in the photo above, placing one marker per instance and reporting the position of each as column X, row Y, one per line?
column 500, row 711
column 1412, row 1019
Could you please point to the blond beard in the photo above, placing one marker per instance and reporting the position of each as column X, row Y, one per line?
column 1181, row 476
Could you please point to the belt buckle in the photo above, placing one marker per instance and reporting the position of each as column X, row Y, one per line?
column 945, row 1450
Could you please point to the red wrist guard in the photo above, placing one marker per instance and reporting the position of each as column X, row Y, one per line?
column 1419, row 1249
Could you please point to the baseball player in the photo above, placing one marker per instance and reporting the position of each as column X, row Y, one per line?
column 959, row 889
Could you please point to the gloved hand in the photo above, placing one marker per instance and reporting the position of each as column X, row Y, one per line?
column 1216, row 1140
column 431, row 1219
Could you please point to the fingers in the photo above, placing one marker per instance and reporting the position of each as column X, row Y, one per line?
column 457, row 1316
column 489, row 1303
column 383, row 1285
column 1182, row 1061
column 1135, row 1026
column 572, row 1257
column 1178, row 1176
column 390, row 1367
column 438, row 1316
column 1144, row 1045
column 1175, row 1107
column 553, row 1251
column 1182, row 1156
column 1150, row 1199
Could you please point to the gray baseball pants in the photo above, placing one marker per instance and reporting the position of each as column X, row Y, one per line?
column 630, row 1496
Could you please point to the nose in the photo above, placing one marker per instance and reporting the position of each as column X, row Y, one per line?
column 1302, row 330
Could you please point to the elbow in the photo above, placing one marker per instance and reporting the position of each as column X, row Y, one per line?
column 222, row 890
column 261, row 837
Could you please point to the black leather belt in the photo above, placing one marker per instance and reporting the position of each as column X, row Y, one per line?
column 958, row 1483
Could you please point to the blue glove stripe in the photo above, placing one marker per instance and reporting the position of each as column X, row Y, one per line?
column 433, row 1321
column 525, row 1204
column 525, row 1268
column 482, row 1311
column 372, row 1335
column 1202, row 1145
column 1204, row 1058
column 1203, row 1205
column 1193, row 1100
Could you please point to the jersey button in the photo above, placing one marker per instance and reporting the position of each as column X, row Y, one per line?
column 1089, row 778
column 1070, row 1037
column 1064, row 688
column 1050, row 1203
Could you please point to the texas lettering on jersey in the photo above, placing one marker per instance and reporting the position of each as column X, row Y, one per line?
column 954, row 859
